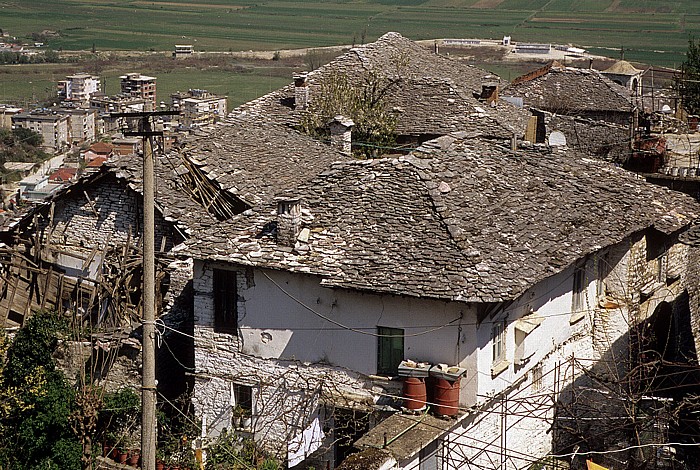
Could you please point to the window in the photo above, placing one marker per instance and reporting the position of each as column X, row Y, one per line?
column 243, row 397
column 537, row 378
column 498, row 342
column 603, row 269
column 579, row 290
column 390, row 350
column 225, row 301
column 498, row 345
column 661, row 268
column 578, row 295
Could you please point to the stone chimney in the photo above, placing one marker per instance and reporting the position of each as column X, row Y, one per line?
column 489, row 93
column 301, row 90
column 341, row 134
column 288, row 221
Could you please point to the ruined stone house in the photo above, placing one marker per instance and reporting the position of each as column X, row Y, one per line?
column 80, row 253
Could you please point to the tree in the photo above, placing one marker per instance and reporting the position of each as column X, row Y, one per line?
column 689, row 87
column 365, row 104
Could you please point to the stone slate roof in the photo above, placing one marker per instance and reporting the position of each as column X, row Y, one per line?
column 568, row 90
column 424, row 82
column 431, row 106
column 253, row 160
column 460, row 219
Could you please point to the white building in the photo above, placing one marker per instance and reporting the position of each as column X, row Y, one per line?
column 460, row 253
column 79, row 88
column 198, row 108
column 81, row 124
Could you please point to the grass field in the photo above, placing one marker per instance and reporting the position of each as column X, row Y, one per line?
column 655, row 31
column 26, row 84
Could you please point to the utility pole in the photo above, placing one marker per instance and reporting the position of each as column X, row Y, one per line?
column 148, row 384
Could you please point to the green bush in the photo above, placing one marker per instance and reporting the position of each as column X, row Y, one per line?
column 37, row 402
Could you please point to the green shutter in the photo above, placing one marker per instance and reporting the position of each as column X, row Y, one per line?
column 389, row 350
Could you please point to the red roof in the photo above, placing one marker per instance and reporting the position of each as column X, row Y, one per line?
column 96, row 162
column 63, row 174
column 102, row 148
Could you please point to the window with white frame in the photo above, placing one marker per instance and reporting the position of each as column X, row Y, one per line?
column 498, row 342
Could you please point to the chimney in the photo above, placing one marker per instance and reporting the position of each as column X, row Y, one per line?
column 301, row 91
column 341, row 134
column 288, row 221
column 489, row 93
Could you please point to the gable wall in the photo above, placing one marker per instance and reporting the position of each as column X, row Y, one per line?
column 118, row 210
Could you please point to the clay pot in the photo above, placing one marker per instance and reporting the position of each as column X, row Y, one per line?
column 134, row 458
column 122, row 457
column 160, row 466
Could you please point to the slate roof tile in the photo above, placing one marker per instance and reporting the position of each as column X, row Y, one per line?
column 568, row 90
column 507, row 221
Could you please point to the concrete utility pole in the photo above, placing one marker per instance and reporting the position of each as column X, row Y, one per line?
column 148, row 385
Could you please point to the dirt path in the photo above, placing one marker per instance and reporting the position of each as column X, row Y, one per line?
column 487, row 4
column 613, row 6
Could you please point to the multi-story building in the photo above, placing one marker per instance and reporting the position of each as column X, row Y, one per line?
column 198, row 108
column 79, row 88
column 81, row 124
column 105, row 105
column 140, row 86
column 53, row 127
column 6, row 113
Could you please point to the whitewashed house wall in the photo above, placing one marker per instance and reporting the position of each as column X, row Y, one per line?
column 288, row 354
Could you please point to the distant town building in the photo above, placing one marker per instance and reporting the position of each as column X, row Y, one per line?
column 198, row 108
column 81, row 124
column 53, row 127
column 79, row 88
column 6, row 113
column 126, row 145
column 525, row 48
column 139, row 86
column 105, row 105
column 183, row 50
column 37, row 187
column 63, row 175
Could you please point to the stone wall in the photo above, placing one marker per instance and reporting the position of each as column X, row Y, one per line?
column 106, row 212
column 518, row 426
column 611, row 142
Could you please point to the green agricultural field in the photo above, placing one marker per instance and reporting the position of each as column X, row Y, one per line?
column 27, row 84
column 653, row 30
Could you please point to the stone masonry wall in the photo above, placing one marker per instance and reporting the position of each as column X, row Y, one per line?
column 105, row 216
column 512, row 429
column 610, row 142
